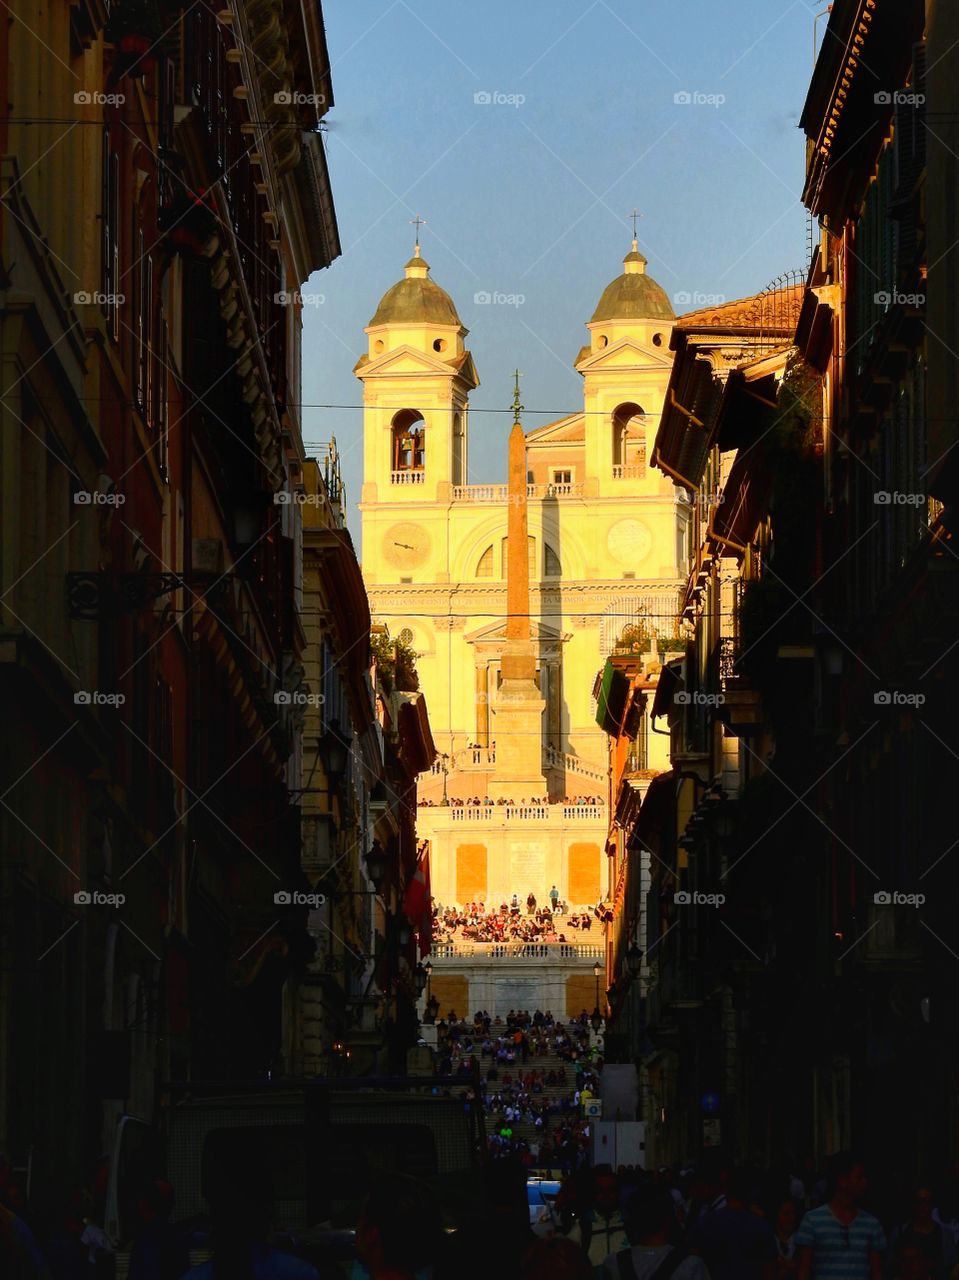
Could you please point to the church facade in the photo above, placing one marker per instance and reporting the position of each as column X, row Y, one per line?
column 519, row 800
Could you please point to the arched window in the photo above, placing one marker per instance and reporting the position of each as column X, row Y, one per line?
column 533, row 568
column 484, row 567
column 409, row 445
column 553, row 567
column 629, row 442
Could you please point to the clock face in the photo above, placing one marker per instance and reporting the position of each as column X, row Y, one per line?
column 629, row 541
column 406, row 545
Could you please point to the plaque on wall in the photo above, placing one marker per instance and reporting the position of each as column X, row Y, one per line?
column 527, row 867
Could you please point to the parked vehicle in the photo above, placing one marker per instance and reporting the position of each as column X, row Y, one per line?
column 319, row 1144
column 541, row 1196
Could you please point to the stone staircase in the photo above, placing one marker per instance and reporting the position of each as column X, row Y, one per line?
column 548, row 1062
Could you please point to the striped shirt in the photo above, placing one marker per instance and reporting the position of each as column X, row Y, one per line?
column 840, row 1252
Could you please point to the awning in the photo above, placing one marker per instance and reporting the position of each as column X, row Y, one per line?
column 612, row 698
column 657, row 808
column 670, row 680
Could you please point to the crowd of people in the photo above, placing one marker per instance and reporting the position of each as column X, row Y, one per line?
column 711, row 1222
column 486, row 802
column 475, row 922
column 534, row 1112
column 721, row 1223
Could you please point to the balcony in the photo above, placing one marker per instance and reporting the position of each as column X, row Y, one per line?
column 632, row 471
column 741, row 711
column 502, row 814
column 500, row 492
column 407, row 477
column 573, row 764
column 583, row 951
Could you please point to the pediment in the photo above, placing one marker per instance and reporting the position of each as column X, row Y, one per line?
column 627, row 353
column 409, row 361
column 493, row 632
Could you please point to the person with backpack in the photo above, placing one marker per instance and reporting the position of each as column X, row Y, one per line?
column 653, row 1253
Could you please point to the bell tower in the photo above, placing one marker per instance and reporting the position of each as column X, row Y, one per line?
column 417, row 375
column 626, row 369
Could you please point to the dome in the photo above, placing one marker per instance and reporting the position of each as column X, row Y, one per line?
column 416, row 299
column 634, row 295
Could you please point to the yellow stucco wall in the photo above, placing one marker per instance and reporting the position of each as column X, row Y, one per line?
column 471, row 872
column 581, row 994
column 452, row 991
column 584, row 873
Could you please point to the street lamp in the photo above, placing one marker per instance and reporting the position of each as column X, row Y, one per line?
column 634, row 960
column 335, row 751
column 421, row 978
column 376, row 866
column 596, row 1021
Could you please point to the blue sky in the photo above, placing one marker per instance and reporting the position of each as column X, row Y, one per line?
column 528, row 195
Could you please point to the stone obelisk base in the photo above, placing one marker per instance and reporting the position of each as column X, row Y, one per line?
column 519, row 734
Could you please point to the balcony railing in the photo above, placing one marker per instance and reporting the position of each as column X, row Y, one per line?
column 517, row 950
column 474, row 758
column 730, row 649
column 573, row 764
column 407, row 477
column 527, row 812
column 630, row 471
column 500, row 492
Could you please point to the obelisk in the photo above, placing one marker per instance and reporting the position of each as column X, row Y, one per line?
column 518, row 729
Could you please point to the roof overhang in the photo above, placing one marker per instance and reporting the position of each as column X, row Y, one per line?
column 864, row 58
